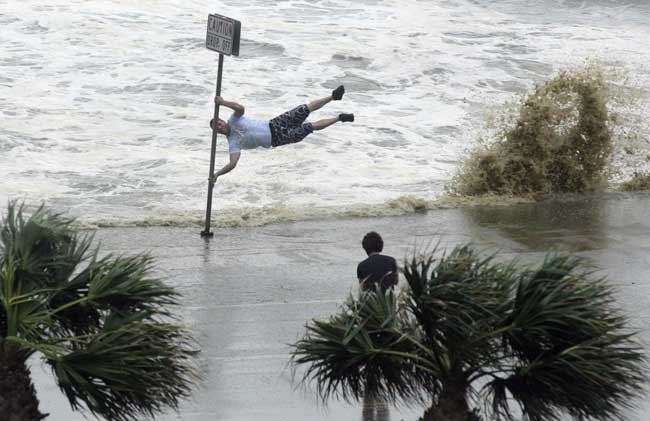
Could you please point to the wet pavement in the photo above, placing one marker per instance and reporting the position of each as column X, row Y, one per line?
column 249, row 291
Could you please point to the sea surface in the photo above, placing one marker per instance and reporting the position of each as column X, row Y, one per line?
column 104, row 105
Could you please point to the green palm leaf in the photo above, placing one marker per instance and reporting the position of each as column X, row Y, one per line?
column 362, row 351
column 548, row 341
column 103, row 324
column 130, row 370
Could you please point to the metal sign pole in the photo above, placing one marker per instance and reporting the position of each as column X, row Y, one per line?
column 223, row 36
column 208, row 211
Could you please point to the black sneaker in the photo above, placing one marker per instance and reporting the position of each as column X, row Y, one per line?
column 337, row 93
column 346, row 118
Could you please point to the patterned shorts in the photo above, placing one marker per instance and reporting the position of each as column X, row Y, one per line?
column 290, row 127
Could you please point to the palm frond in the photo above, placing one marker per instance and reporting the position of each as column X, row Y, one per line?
column 3, row 320
column 458, row 300
column 573, row 350
column 591, row 380
column 556, row 307
column 38, row 255
column 364, row 350
column 105, row 327
column 44, row 246
column 130, row 370
column 123, row 283
column 551, row 340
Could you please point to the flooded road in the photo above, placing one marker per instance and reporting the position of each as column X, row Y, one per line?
column 249, row 291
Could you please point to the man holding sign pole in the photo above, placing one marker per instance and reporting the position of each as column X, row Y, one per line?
column 290, row 127
column 222, row 36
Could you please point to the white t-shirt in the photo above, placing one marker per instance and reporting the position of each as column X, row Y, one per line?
column 246, row 133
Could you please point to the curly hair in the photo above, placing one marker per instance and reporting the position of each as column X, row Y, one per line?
column 372, row 243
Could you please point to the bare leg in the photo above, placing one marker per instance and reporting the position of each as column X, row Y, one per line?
column 326, row 122
column 318, row 104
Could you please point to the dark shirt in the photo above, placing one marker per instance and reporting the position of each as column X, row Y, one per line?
column 377, row 268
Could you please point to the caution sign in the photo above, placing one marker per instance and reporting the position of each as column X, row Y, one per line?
column 223, row 35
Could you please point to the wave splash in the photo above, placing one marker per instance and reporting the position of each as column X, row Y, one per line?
column 560, row 142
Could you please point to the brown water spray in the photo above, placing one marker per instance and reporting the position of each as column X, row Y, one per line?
column 560, row 142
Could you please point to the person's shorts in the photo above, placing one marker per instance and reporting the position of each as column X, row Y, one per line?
column 290, row 127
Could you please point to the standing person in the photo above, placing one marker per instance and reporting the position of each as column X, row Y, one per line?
column 377, row 268
column 290, row 127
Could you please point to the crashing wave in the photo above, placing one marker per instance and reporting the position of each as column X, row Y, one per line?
column 560, row 142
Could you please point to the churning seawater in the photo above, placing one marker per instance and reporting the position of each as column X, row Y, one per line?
column 104, row 104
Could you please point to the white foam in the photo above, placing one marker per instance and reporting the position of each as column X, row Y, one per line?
column 105, row 104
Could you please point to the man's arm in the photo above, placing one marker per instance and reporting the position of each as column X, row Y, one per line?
column 392, row 278
column 234, row 158
column 362, row 279
column 237, row 108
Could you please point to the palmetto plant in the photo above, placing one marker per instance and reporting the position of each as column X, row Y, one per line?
column 102, row 324
column 471, row 336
